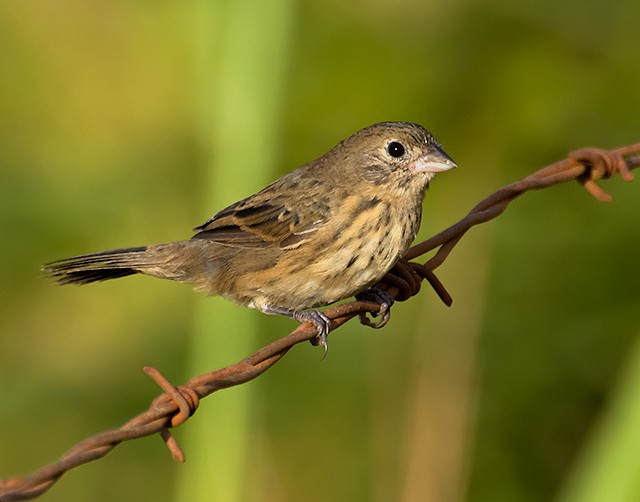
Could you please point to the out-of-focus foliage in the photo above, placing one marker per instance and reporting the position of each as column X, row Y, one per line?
column 494, row 399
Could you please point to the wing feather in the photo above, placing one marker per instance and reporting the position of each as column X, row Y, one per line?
column 260, row 221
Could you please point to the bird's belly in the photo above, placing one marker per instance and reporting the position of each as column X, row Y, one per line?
column 324, row 271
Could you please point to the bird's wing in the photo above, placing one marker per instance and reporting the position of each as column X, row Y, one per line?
column 264, row 222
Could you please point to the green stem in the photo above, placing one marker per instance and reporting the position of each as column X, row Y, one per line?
column 241, row 51
column 609, row 469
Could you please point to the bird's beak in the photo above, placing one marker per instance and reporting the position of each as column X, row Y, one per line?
column 436, row 161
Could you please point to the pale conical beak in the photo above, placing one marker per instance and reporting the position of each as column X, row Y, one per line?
column 436, row 161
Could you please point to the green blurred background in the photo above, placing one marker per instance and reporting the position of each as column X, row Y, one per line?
column 128, row 123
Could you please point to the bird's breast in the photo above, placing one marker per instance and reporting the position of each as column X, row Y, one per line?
column 352, row 251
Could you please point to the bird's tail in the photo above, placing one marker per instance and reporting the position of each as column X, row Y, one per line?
column 95, row 267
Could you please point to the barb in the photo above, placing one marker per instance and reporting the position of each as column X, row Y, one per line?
column 177, row 404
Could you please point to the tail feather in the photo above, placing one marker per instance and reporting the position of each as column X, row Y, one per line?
column 96, row 267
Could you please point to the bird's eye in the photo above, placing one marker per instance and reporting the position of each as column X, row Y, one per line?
column 395, row 149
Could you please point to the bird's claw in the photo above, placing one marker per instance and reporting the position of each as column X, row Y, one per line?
column 317, row 318
column 320, row 321
column 385, row 302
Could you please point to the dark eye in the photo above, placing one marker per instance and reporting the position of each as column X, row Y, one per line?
column 395, row 149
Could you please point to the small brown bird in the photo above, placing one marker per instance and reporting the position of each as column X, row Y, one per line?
column 324, row 232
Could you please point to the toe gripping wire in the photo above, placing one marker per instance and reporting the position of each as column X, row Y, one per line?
column 401, row 283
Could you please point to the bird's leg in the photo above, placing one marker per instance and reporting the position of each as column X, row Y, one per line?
column 381, row 298
column 315, row 317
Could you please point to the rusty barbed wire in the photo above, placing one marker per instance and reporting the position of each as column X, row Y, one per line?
column 177, row 404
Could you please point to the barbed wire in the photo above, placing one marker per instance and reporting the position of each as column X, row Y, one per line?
column 177, row 404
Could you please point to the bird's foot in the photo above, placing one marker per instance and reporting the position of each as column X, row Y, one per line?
column 315, row 317
column 381, row 298
column 320, row 321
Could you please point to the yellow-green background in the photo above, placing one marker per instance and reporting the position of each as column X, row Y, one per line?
column 130, row 122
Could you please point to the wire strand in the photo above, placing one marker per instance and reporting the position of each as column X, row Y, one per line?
column 176, row 404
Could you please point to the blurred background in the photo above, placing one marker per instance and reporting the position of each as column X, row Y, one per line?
column 129, row 123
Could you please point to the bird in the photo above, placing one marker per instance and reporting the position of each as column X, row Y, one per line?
column 328, row 230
